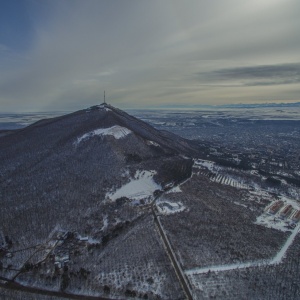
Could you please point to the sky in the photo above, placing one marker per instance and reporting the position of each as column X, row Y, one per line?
column 60, row 55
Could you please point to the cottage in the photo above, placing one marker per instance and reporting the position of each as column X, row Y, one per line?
column 296, row 216
column 274, row 208
column 286, row 211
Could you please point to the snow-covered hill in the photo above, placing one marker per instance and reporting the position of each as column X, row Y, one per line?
column 56, row 169
column 98, row 203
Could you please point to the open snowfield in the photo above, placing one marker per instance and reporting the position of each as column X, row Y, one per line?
column 140, row 187
column 175, row 189
column 117, row 132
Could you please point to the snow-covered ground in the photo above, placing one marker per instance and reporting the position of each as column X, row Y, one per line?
column 228, row 180
column 240, row 204
column 151, row 143
column 140, row 187
column 272, row 222
column 167, row 207
column 175, row 189
column 221, row 268
column 126, row 276
column 210, row 165
column 116, row 131
column 100, row 107
column 212, row 171
column 275, row 221
column 281, row 254
column 105, row 223
column 293, row 202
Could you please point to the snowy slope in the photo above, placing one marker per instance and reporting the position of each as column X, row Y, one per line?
column 116, row 131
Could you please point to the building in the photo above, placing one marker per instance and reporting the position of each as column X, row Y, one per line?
column 274, row 208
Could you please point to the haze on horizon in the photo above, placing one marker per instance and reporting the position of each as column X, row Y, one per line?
column 62, row 54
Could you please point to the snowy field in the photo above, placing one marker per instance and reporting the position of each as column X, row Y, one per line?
column 117, row 132
column 175, row 189
column 141, row 186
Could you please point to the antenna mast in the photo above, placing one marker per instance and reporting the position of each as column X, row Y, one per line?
column 104, row 97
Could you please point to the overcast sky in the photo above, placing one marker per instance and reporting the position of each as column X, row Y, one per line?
column 62, row 54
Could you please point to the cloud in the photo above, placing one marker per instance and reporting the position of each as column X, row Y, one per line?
column 265, row 75
column 144, row 52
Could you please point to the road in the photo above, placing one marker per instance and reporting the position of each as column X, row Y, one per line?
column 277, row 259
column 178, row 270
